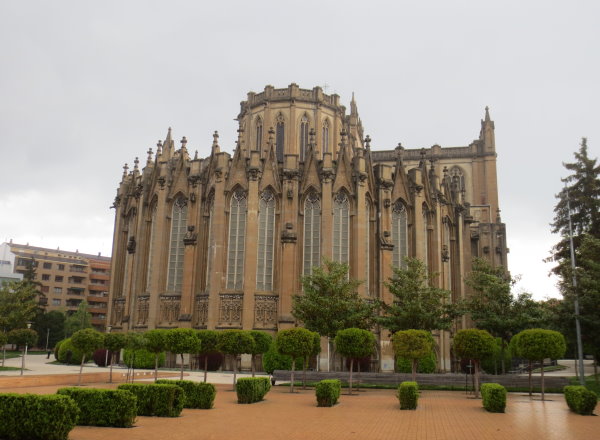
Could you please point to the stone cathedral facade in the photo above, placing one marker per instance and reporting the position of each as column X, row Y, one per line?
column 221, row 242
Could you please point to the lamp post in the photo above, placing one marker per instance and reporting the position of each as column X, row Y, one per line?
column 108, row 329
column 25, row 352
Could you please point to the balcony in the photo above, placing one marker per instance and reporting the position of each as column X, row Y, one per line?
column 75, row 291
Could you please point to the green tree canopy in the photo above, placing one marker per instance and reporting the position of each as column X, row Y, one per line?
column 81, row 319
column 414, row 345
column 262, row 342
column 416, row 303
column 18, row 304
column 183, row 340
column 208, row 344
column 156, row 343
column 86, row 340
column 114, row 342
column 354, row 343
column 234, row 343
column 50, row 324
column 297, row 343
column 22, row 337
column 476, row 345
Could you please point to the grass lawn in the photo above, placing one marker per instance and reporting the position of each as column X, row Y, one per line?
column 9, row 368
column 550, row 368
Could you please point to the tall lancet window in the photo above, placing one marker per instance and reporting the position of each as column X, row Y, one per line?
column 279, row 137
column 312, row 233
column 266, row 235
column 446, row 255
column 326, row 136
column 425, row 238
column 259, row 134
column 210, row 244
column 368, row 247
column 151, row 248
column 237, row 239
column 341, row 220
column 303, row 137
column 399, row 234
column 176, row 246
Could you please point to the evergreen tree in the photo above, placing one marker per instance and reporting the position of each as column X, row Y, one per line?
column 79, row 320
column 18, row 304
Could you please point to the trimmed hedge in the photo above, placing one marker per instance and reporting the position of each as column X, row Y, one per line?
column 198, row 395
column 76, row 354
column 160, row 400
column 252, row 389
column 580, row 399
column 408, row 394
column 143, row 359
column 98, row 407
column 494, row 397
column 328, row 392
column 36, row 417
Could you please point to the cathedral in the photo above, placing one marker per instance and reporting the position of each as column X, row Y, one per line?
column 222, row 242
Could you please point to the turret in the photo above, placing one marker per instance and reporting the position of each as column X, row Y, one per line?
column 486, row 135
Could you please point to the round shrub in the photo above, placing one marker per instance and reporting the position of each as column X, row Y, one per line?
column 76, row 354
column 273, row 360
column 427, row 365
column 56, row 348
column 143, row 359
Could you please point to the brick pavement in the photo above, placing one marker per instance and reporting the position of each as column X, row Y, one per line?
column 374, row 414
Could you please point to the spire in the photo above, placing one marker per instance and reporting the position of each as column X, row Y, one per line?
column 125, row 170
column 487, row 114
column 136, row 164
column 353, row 109
column 368, row 142
column 196, row 155
column 486, row 135
column 215, row 144
column 183, row 143
column 149, row 158
column 158, row 148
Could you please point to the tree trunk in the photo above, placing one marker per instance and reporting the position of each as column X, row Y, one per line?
column 358, row 381
column 502, row 357
column 414, row 369
column 530, row 384
column 132, row 366
column 575, row 359
column 156, row 366
column 22, row 362
column 234, row 370
column 252, row 364
column 112, row 355
column 205, row 367
column 542, row 379
column 477, row 379
column 181, row 374
column 304, row 366
column 292, row 375
column 81, row 370
column 350, row 381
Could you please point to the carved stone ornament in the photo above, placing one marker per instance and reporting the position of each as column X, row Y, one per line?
column 169, row 308
column 142, row 309
column 201, row 311
column 384, row 243
column 265, row 311
column 161, row 182
column 118, row 311
column 445, row 254
column 230, row 310
column 131, row 245
column 191, row 236
column 254, row 173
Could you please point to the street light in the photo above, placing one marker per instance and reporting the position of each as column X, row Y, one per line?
column 108, row 329
column 25, row 353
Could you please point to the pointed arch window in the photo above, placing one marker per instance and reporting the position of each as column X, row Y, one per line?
column 279, row 137
column 446, row 254
column 303, row 136
column 326, row 136
column 312, row 233
column 368, row 247
column 176, row 246
column 259, row 134
column 341, row 220
column 151, row 248
column 399, row 234
column 210, row 243
column 237, row 240
column 266, row 243
column 425, row 238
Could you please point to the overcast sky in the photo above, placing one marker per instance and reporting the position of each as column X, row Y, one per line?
column 87, row 86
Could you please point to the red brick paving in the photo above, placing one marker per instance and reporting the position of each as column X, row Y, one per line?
column 374, row 414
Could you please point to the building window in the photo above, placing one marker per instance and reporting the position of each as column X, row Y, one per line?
column 209, row 244
column 326, row 136
column 47, row 265
column 58, row 278
column 279, row 137
column 259, row 134
column 399, row 235
column 58, row 290
column 237, row 238
column 45, row 289
column 367, row 247
column 61, row 267
column 341, row 220
column 446, row 255
column 312, row 233
column 303, row 137
column 425, row 238
column 176, row 246
column 151, row 249
column 266, row 235
column 45, row 277
column 55, row 302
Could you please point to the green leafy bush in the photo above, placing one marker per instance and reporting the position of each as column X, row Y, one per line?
column 408, row 394
column 76, row 355
column 328, row 392
column 273, row 360
column 143, row 359
column 580, row 399
column 252, row 389
column 36, row 417
column 494, row 397
column 161, row 400
column 98, row 407
column 56, row 348
column 198, row 395
column 426, row 365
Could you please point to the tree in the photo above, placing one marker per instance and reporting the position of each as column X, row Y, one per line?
column 208, row 345
column 156, row 342
column 3, row 342
column 30, row 277
column 539, row 344
column 114, row 342
column 354, row 343
column 23, row 337
column 86, row 340
column 262, row 342
column 315, row 352
column 18, row 304
column 183, row 340
column 493, row 307
column 416, row 304
column 414, row 345
column 474, row 344
column 51, row 325
column 330, row 301
column 235, row 342
column 134, row 342
column 295, row 342
column 79, row 320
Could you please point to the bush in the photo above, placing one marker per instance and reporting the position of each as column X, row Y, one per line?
column 198, row 395
column 252, row 389
column 580, row 399
column 143, row 359
column 427, row 365
column 328, row 392
column 56, row 348
column 103, row 407
column 76, row 354
column 36, row 417
column 273, row 360
column 408, row 394
column 156, row 400
column 494, row 397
